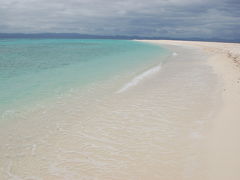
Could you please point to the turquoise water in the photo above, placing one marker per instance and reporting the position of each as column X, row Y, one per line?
column 33, row 69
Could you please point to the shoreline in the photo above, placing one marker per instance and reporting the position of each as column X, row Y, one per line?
column 147, row 132
column 162, row 127
column 224, row 135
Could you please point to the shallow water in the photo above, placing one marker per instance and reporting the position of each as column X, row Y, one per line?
column 35, row 69
column 154, row 129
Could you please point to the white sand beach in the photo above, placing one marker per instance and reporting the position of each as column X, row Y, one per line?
column 224, row 135
column 89, row 90
column 178, row 120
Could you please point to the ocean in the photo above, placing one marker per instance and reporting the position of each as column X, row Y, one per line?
column 32, row 70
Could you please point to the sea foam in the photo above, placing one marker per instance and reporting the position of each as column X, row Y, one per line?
column 139, row 77
column 174, row 54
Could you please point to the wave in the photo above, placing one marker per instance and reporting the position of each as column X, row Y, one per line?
column 138, row 78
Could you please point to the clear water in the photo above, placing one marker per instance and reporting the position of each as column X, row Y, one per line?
column 34, row 69
column 153, row 128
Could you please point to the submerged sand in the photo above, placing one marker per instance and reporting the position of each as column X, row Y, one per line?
column 175, row 124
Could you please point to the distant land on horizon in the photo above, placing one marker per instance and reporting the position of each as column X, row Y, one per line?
column 119, row 37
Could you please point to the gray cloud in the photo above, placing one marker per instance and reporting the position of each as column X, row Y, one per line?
column 172, row 18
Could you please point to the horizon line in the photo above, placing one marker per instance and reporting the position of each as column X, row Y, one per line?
column 60, row 35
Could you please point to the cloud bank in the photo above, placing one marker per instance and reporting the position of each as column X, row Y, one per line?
column 165, row 18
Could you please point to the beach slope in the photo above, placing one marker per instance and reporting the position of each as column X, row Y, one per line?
column 224, row 134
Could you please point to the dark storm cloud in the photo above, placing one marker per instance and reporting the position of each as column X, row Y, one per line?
column 172, row 18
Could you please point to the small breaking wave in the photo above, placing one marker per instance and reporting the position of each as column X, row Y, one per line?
column 138, row 78
column 174, row 54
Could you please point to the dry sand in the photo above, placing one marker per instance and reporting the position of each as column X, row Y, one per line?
column 224, row 136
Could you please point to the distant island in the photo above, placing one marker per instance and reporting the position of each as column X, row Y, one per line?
column 124, row 37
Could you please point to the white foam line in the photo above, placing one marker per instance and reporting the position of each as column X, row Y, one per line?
column 174, row 54
column 138, row 78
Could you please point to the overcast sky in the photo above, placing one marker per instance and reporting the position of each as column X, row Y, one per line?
column 168, row 18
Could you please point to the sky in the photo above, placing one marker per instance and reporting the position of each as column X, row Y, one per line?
column 162, row 18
